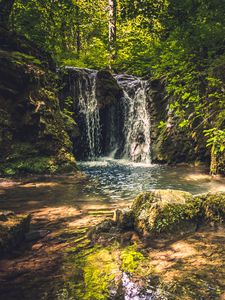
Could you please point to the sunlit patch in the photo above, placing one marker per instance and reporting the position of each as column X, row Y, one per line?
column 198, row 177
column 40, row 184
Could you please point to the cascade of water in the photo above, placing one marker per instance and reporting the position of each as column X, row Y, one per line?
column 84, row 91
column 121, row 129
column 136, row 119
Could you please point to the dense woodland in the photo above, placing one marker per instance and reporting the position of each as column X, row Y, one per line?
column 104, row 102
column 183, row 41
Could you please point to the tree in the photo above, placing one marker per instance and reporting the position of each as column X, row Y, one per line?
column 112, row 29
column 5, row 11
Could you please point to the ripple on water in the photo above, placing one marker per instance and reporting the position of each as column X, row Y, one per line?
column 120, row 179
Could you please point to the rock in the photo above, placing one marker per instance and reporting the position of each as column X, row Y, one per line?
column 103, row 227
column 29, row 107
column 124, row 218
column 165, row 211
column 213, row 208
column 36, row 235
column 108, row 90
column 12, row 231
column 4, row 215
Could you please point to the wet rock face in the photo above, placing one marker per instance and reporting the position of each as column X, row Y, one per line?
column 96, row 107
column 108, row 91
column 12, row 230
column 32, row 131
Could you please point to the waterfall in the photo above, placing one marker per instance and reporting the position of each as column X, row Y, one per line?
column 136, row 119
column 83, row 87
column 119, row 128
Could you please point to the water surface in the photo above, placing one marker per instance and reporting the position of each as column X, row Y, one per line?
column 120, row 179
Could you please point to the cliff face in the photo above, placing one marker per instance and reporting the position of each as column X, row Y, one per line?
column 33, row 134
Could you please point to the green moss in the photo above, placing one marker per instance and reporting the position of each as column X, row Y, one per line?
column 92, row 275
column 131, row 259
column 37, row 165
column 162, row 211
column 168, row 217
column 213, row 207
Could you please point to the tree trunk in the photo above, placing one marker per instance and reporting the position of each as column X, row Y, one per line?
column 112, row 30
column 78, row 37
column 5, row 11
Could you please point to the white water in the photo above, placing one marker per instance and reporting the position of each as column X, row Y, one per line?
column 129, row 135
column 89, row 107
column 137, row 122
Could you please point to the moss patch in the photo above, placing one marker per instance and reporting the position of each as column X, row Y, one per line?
column 37, row 165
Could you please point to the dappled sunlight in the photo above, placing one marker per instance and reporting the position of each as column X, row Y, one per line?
column 40, row 184
column 192, row 262
column 198, row 177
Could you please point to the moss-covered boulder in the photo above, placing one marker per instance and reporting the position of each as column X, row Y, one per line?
column 12, row 230
column 162, row 213
column 165, row 211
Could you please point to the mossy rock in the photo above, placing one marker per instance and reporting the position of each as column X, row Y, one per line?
column 213, row 207
column 34, row 134
column 38, row 165
column 165, row 211
column 124, row 218
column 12, row 230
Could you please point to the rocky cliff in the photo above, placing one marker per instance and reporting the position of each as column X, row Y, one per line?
column 33, row 136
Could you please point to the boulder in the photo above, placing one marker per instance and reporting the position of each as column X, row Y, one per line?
column 12, row 230
column 212, row 208
column 165, row 212
column 124, row 218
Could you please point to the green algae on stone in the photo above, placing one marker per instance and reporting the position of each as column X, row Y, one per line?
column 134, row 262
column 37, row 165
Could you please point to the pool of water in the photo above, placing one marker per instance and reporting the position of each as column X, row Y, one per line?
column 107, row 184
column 119, row 179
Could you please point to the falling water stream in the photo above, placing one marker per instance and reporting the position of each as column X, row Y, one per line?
column 137, row 119
column 133, row 141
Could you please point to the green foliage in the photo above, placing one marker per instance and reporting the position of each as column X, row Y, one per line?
column 216, row 139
